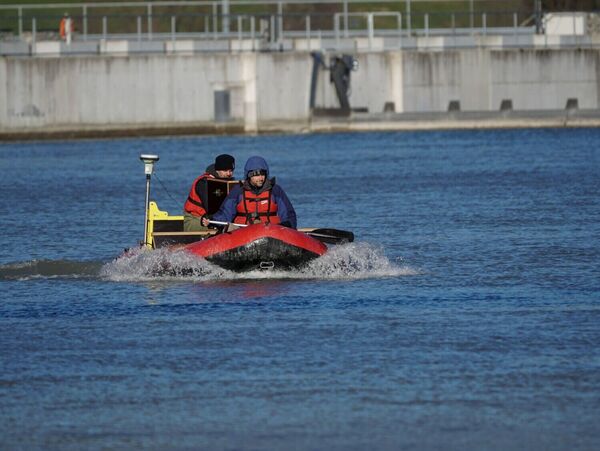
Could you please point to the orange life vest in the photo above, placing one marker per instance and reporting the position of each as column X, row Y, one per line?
column 253, row 207
column 193, row 204
column 63, row 27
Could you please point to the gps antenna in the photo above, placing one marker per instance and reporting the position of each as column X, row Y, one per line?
column 149, row 161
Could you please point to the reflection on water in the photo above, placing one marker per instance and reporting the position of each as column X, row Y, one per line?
column 241, row 290
column 227, row 291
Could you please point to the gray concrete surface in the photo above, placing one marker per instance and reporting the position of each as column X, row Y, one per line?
column 124, row 94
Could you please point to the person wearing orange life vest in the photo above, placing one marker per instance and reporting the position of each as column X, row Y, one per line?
column 257, row 199
column 193, row 210
column 66, row 28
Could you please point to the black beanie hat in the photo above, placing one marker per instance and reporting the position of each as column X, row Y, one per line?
column 224, row 162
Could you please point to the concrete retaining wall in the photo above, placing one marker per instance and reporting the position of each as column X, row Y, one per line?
column 153, row 91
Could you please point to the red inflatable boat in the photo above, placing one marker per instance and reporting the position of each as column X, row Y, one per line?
column 259, row 246
column 256, row 246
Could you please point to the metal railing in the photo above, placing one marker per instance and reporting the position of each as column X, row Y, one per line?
column 402, row 25
column 222, row 18
column 273, row 27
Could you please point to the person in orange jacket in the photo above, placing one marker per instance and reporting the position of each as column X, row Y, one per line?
column 66, row 28
column 194, row 209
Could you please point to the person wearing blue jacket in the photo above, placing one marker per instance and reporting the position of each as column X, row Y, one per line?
column 256, row 199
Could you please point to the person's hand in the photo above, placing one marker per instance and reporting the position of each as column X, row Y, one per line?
column 205, row 221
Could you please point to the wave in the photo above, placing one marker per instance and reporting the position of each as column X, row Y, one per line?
column 349, row 261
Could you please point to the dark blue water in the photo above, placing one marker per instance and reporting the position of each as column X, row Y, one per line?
column 465, row 316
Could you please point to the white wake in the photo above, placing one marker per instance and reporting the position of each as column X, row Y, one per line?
column 349, row 261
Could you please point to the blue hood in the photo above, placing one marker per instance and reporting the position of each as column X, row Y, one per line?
column 256, row 163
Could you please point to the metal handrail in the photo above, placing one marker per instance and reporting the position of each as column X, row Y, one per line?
column 220, row 9
column 240, row 18
column 274, row 29
column 218, row 2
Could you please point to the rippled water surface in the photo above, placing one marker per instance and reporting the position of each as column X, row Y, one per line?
column 465, row 316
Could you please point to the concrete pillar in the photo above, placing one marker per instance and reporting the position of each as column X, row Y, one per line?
column 396, row 88
column 475, row 80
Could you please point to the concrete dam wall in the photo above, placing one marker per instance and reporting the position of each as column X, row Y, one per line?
column 254, row 92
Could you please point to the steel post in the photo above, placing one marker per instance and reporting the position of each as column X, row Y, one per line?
column 85, row 23
column 215, row 20
column 253, row 31
column 147, row 203
column 370, row 27
column 280, row 22
column 471, row 15
column 173, row 28
column 20, row 12
column 399, row 30
column 149, row 12
column 225, row 12
column 408, row 18
column 539, row 28
column 346, row 18
column 336, row 30
column 484, row 23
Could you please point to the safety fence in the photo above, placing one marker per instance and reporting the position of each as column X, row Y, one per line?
column 277, row 25
column 278, row 18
